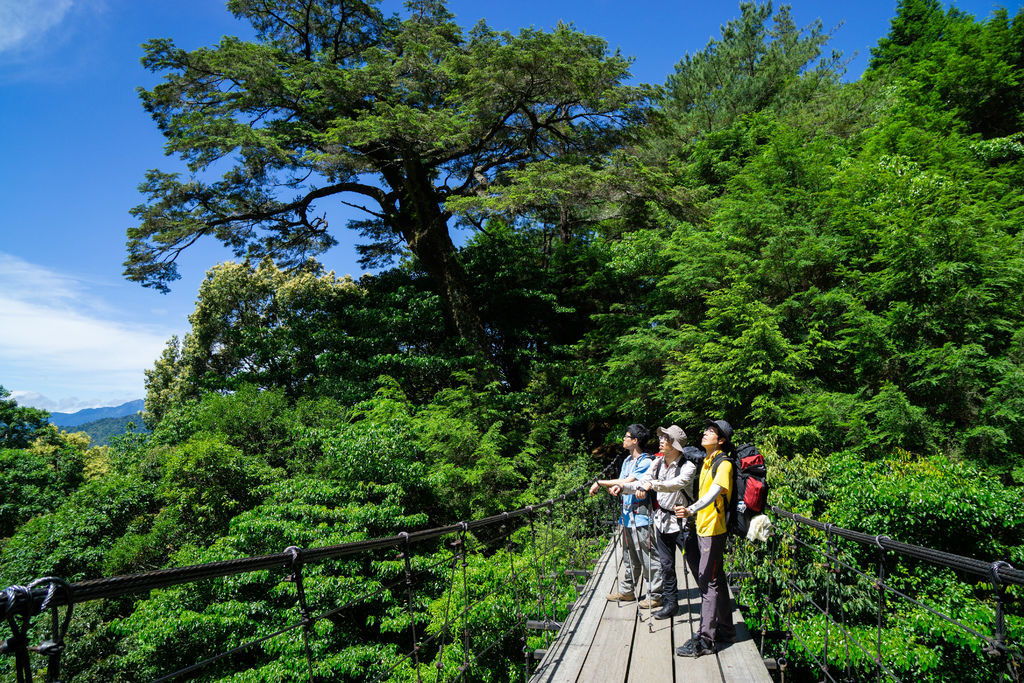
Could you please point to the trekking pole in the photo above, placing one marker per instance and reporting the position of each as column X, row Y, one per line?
column 636, row 549
column 650, row 585
column 647, row 584
column 619, row 538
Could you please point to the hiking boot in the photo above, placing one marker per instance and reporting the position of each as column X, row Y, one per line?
column 695, row 647
column 621, row 597
column 666, row 612
column 649, row 603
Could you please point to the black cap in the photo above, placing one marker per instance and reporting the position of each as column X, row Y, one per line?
column 722, row 427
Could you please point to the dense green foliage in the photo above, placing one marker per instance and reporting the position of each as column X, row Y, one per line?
column 101, row 432
column 18, row 424
column 837, row 268
column 395, row 115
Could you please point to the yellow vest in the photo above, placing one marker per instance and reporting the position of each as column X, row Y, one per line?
column 711, row 520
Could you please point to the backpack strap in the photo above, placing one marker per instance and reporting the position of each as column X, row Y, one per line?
column 719, row 459
column 724, row 456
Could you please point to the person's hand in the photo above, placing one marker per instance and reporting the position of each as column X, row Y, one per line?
column 615, row 490
column 641, row 494
column 682, row 512
column 595, row 488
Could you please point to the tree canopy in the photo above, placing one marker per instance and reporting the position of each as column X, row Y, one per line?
column 336, row 101
column 836, row 268
column 18, row 424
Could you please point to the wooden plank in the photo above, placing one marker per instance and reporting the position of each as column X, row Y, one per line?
column 651, row 658
column 604, row 641
column 700, row 669
column 608, row 656
column 740, row 661
column 565, row 656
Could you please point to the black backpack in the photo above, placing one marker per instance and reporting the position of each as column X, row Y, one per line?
column 690, row 454
column 750, row 487
column 696, row 456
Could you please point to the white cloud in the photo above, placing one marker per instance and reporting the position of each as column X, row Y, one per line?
column 59, row 340
column 71, row 404
column 24, row 21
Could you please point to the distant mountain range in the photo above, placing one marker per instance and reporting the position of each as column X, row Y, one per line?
column 92, row 414
column 103, row 430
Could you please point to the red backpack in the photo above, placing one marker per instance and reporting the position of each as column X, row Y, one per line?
column 750, row 487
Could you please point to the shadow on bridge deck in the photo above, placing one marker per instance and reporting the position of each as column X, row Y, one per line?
column 604, row 641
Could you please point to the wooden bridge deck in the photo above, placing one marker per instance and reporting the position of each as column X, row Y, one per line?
column 605, row 641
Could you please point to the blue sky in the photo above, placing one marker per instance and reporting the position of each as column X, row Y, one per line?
column 76, row 142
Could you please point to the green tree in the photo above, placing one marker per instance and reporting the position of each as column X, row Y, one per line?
column 308, row 334
column 336, row 100
column 753, row 66
column 18, row 424
column 951, row 61
column 257, row 325
column 917, row 24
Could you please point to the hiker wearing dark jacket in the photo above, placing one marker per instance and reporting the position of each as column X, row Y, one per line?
column 669, row 479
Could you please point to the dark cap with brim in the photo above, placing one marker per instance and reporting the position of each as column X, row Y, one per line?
column 723, row 428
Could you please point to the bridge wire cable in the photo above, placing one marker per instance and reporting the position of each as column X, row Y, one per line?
column 828, row 598
column 465, row 612
column 448, row 623
column 323, row 615
column 520, row 617
column 879, row 587
column 476, row 655
column 1006, row 573
column 792, row 634
column 834, row 547
column 117, row 586
column 846, row 632
column 446, row 628
column 244, row 646
column 494, row 643
column 447, row 606
column 19, row 600
column 199, row 665
column 542, row 603
column 410, row 604
column 54, row 647
column 554, row 573
column 888, row 588
column 789, row 605
column 300, row 590
column 996, row 573
column 18, row 642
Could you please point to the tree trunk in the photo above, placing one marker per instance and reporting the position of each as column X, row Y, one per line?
column 432, row 245
column 425, row 229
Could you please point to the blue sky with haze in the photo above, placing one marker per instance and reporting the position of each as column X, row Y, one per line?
column 76, row 142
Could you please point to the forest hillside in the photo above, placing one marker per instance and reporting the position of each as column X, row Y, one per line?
column 835, row 267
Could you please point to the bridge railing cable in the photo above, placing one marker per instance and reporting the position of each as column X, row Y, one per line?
column 21, row 603
column 843, row 580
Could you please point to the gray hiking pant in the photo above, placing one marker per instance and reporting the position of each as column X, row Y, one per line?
column 715, row 605
column 639, row 558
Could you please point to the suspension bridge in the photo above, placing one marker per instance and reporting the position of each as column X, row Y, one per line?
column 553, row 618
